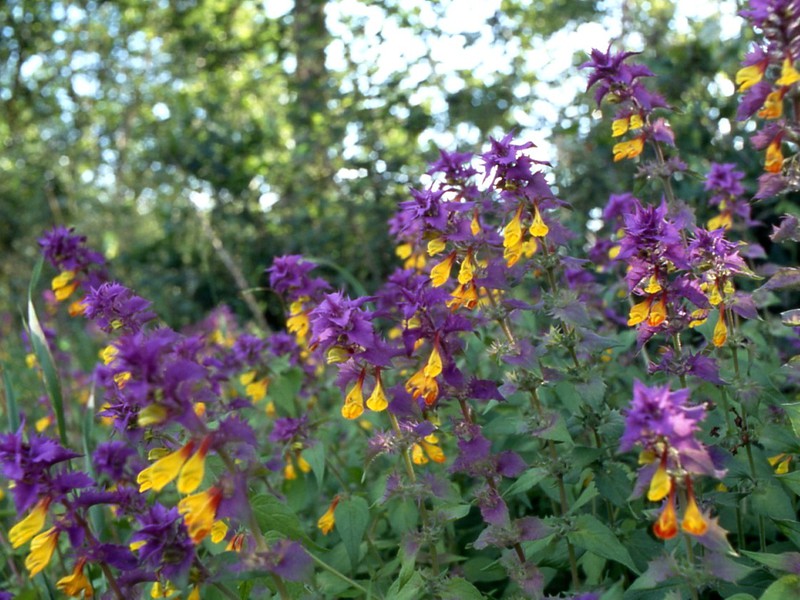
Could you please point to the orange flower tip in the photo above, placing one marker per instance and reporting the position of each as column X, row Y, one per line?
column 693, row 521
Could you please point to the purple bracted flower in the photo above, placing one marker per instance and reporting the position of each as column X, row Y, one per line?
column 289, row 277
column 67, row 251
column 166, row 548
column 116, row 308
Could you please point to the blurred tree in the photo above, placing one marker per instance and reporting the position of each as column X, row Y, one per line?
column 287, row 127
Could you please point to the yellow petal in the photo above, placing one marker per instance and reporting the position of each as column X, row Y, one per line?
column 465, row 273
column 773, row 106
column 418, row 455
column 193, row 469
column 403, row 251
column 660, row 485
column 538, row 227
column 619, row 127
column 436, row 246
column 42, row 548
column 512, row 232
column 747, row 77
column 218, row 531
column 658, row 313
column 789, row 74
column 28, row 527
column 164, row 470
column 629, row 149
column 720, row 331
column 377, row 399
column 639, row 312
column 693, row 521
column 434, row 366
column 441, row 272
column 653, row 287
column 475, row 224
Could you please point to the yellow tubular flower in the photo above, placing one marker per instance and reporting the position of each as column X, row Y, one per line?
column 747, row 77
column 419, row 385
column 720, row 330
column 164, row 470
column 629, row 149
column 467, row 270
column 433, row 367
column 619, row 127
column 434, row 452
column 441, row 272
column 199, row 512
column 660, row 484
column 42, row 548
column 328, row 520
column 193, row 469
column 774, row 158
column 28, row 527
column 218, row 531
column 63, row 285
column 512, row 232
column 475, row 224
column 639, row 312
column 658, row 312
column 773, row 105
column 693, row 521
column 76, row 584
column 538, row 227
column 464, row 295
column 666, row 527
column 436, row 246
column 377, row 399
column 418, row 455
column 789, row 74
column 194, row 594
column 354, row 401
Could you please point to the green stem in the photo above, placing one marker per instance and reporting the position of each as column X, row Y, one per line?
column 423, row 510
column 333, row 571
column 255, row 528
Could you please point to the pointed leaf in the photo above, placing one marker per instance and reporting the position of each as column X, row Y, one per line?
column 594, row 536
column 352, row 518
column 786, row 587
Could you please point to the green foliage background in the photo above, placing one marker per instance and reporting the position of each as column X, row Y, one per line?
column 112, row 114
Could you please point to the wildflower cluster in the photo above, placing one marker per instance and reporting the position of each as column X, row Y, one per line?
column 466, row 430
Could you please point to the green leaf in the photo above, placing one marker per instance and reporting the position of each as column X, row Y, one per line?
column 526, row 481
column 11, row 399
column 786, row 561
column 741, row 596
column 786, row 587
column 284, row 390
column 589, row 492
column 770, row 500
column 453, row 512
column 273, row 515
column 460, row 589
column 614, row 484
column 315, row 455
column 793, row 412
column 352, row 518
column 45, row 359
column 592, row 535
column 409, row 590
